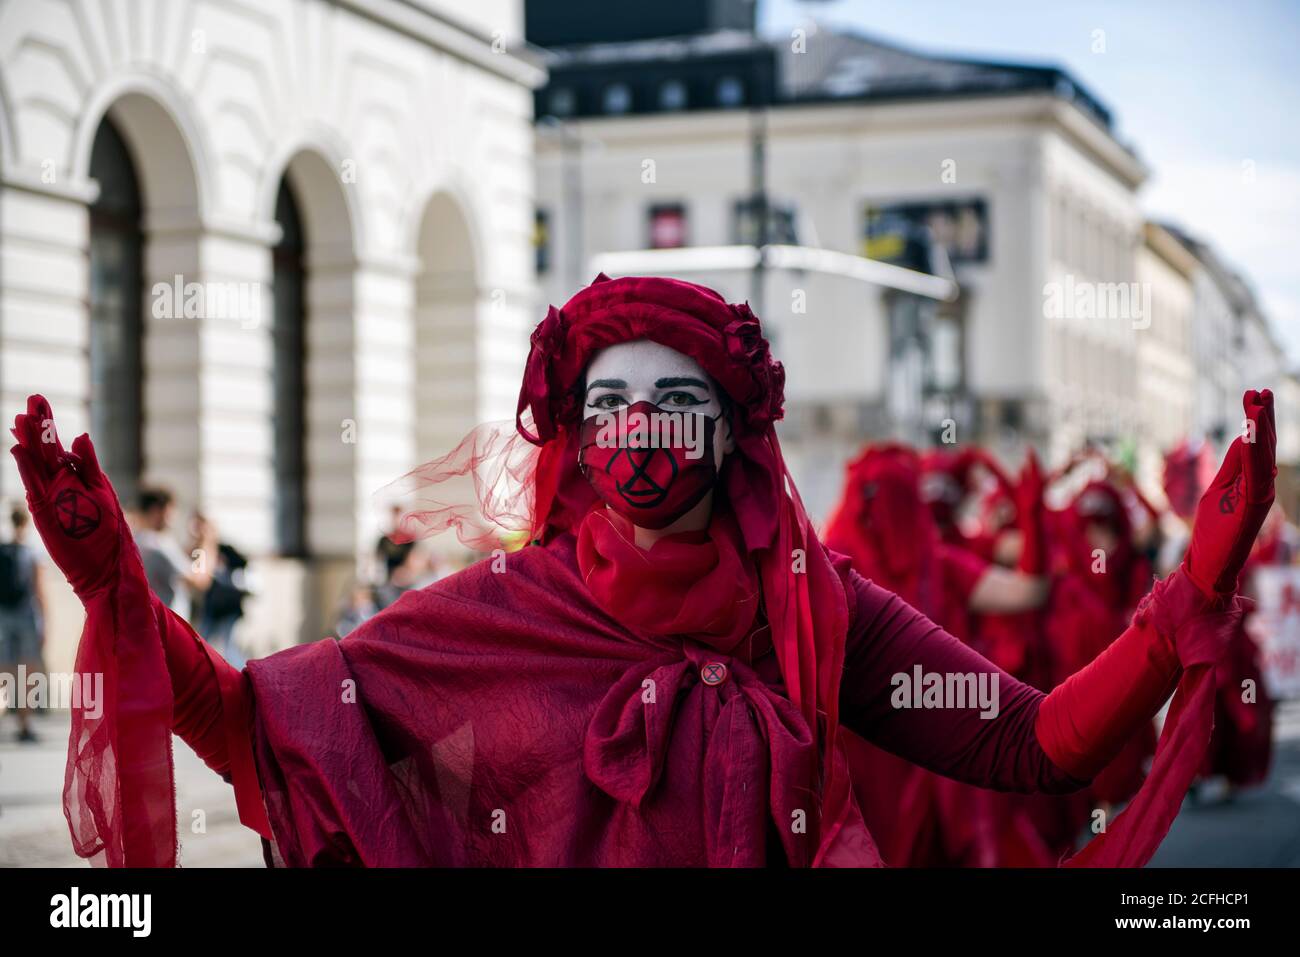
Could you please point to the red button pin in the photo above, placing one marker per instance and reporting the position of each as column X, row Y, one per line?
column 713, row 673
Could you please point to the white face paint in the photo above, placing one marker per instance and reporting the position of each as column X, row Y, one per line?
column 646, row 371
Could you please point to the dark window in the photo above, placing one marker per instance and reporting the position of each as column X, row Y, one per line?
column 730, row 91
column 672, row 95
column 562, row 101
column 905, row 233
column 667, row 226
column 289, row 378
column 542, row 240
column 780, row 223
column 116, row 320
column 618, row 98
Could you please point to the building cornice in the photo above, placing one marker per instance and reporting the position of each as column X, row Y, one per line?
column 1168, row 248
column 84, row 192
column 864, row 118
column 520, row 64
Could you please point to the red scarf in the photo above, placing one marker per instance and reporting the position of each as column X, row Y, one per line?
column 693, row 583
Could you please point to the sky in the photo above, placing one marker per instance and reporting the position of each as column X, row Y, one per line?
column 1206, row 91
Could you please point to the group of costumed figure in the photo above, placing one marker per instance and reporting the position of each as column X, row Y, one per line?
column 678, row 669
column 937, row 527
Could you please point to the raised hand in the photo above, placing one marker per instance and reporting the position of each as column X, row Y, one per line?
column 71, row 501
column 1234, row 507
column 1029, row 517
column 979, row 456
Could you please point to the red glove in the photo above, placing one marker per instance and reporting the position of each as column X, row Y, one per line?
column 1029, row 517
column 73, row 505
column 118, row 790
column 1234, row 507
column 118, row 786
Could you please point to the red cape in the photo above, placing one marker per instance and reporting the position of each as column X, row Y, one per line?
column 504, row 719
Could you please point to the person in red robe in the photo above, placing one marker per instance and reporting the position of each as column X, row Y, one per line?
column 1105, row 573
column 945, row 485
column 1100, row 578
column 948, row 479
column 885, row 524
column 665, row 676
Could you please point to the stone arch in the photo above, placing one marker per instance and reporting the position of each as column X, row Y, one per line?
column 8, row 131
column 448, row 303
column 314, row 422
column 159, row 140
column 175, row 165
column 315, row 160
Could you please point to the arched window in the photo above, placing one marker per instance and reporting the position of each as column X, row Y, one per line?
column 618, row 98
column 116, row 313
column 672, row 95
column 730, row 91
column 289, row 378
column 563, row 101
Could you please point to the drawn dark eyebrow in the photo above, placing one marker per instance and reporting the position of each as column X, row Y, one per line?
column 606, row 384
column 675, row 382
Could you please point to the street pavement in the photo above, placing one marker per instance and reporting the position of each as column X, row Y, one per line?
column 1258, row 828
column 34, row 833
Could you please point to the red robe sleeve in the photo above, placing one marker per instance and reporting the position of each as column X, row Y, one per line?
column 888, row 642
column 1058, row 741
column 212, row 712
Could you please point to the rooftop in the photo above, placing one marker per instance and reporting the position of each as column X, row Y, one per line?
column 832, row 66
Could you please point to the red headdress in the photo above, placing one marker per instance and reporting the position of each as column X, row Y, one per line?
column 545, row 492
column 883, row 524
column 1127, row 575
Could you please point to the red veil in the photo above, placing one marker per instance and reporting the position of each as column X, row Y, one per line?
column 883, row 525
column 536, row 489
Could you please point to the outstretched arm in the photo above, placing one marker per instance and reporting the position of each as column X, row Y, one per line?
column 1001, row 591
column 1011, row 736
column 913, row 689
column 119, row 788
column 213, row 712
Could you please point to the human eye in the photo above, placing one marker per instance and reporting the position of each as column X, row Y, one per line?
column 681, row 400
column 607, row 402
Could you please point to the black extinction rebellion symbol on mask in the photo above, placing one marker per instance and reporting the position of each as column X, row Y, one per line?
column 77, row 513
column 641, row 489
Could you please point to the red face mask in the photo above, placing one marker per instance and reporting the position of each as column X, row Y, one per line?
column 642, row 466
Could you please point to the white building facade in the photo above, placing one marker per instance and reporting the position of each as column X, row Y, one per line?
column 273, row 254
column 1031, row 186
column 1166, row 373
column 1076, row 322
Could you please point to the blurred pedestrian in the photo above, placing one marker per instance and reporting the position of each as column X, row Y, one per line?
column 391, row 554
column 358, row 607
column 417, row 569
column 223, row 602
column 22, row 617
column 171, row 573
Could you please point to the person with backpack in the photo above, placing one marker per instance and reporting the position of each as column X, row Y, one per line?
column 22, row 617
column 223, row 603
